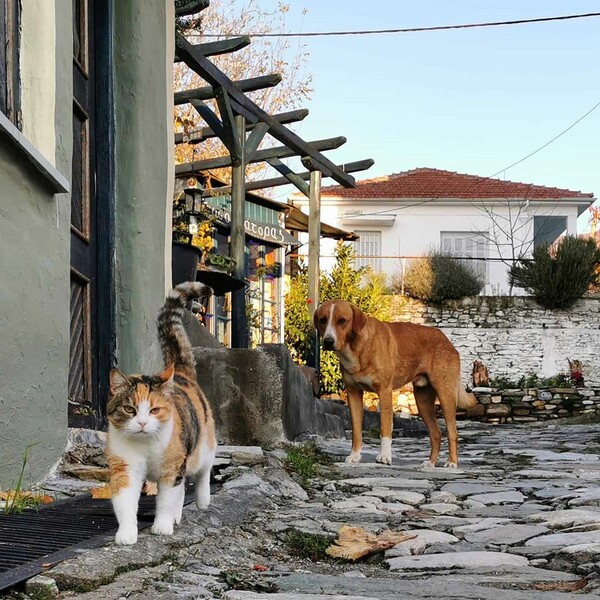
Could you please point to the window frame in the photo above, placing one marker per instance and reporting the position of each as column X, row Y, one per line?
column 10, row 80
column 473, row 235
column 371, row 260
column 538, row 236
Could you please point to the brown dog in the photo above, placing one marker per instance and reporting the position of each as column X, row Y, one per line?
column 380, row 357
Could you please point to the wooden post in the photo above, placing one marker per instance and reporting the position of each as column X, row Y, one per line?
column 314, row 250
column 239, row 325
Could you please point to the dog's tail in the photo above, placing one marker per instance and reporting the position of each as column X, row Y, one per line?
column 465, row 399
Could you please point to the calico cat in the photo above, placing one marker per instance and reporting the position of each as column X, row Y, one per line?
column 160, row 428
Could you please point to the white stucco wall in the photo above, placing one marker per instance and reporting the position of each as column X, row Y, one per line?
column 417, row 228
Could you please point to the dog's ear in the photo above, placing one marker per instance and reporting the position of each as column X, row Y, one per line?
column 359, row 319
column 316, row 318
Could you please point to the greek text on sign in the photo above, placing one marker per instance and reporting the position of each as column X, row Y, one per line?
column 263, row 231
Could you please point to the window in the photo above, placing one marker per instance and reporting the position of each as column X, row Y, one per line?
column 368, row 249
column 470, row 245
column 547, row 229
column 9, row 60
column 262, row 295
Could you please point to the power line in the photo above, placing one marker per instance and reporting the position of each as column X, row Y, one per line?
column 403, row 30
column 589, row 112
column 482, row 179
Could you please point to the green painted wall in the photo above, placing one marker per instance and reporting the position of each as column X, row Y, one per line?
column 34, row 291
column 144, row 170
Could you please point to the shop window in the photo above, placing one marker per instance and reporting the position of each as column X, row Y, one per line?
column 263, row 295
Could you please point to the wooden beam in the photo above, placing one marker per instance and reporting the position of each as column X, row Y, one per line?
column 184, row 8
column 289, row 175
column 239, row 324
column 232, row 135
column 210, row 117
column 187, row 169
column 214, row 76
column 261, row 184
column 203, row 133
column 246, row 85
column 316, row 165
column 221, row 47
column 254, row 139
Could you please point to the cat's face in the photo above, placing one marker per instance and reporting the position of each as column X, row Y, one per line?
column 139, row 405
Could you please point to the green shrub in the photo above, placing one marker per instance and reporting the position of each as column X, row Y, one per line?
column 438, row 277
column 557, row 279
column 360, row 286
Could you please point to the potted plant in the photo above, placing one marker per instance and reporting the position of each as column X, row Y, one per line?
column 192, row 235
column 219, row 262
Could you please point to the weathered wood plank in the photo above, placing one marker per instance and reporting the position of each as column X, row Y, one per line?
column 289, row 175
column 232, row 135
column 221, row 47
column 251, row 84
column 218, row 162
column 203, row 133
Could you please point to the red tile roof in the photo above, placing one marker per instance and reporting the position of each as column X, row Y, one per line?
column 436, row 183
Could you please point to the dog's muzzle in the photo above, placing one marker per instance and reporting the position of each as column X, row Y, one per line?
column 328, row 343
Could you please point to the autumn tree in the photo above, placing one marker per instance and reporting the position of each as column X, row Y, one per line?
column 263, row 56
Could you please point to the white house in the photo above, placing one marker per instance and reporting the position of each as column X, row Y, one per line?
column 486, row 221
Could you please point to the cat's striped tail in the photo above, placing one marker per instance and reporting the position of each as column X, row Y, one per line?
column 174, row 342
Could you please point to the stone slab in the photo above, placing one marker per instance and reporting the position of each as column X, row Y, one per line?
column 457, row 560
column 506, row 534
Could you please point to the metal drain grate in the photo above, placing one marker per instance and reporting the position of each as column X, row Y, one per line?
column 35, row 540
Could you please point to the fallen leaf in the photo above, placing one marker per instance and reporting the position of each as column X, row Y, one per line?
column 260, row 568
column 353, row 543
column 101, row 493
column 35, row 497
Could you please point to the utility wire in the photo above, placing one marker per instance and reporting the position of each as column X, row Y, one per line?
column 482, row 179
column 403, row 30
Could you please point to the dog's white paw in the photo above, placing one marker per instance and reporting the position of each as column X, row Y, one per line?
column 451, row 465
column 427, row 464
column 353, row 457
column 126, row 536
column 384, row 458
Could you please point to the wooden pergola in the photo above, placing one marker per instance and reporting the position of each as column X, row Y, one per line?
column 242, row 125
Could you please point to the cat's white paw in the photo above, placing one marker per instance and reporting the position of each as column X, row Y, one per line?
column 126, row 536
column 162, row 527
column 384, row 458
column 353, row 457
column 202, row 501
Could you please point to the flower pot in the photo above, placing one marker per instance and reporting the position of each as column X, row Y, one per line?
column 184, row 262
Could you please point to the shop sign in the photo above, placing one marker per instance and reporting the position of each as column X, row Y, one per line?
column 256, row 229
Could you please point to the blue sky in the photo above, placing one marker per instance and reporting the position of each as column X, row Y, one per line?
column 472, row 101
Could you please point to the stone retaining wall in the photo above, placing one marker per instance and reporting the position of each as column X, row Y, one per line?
column 526, row 405
column 513, row 336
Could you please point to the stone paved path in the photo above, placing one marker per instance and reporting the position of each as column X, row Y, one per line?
column 519, row 520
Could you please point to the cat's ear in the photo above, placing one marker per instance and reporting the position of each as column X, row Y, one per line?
column 118, row 381
column 167, row 375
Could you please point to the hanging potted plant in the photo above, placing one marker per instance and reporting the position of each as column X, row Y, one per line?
column 192, row 234
column 219, row 262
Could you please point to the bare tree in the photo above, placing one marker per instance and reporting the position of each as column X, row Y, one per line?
column 511, row 231
column 262, row 57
